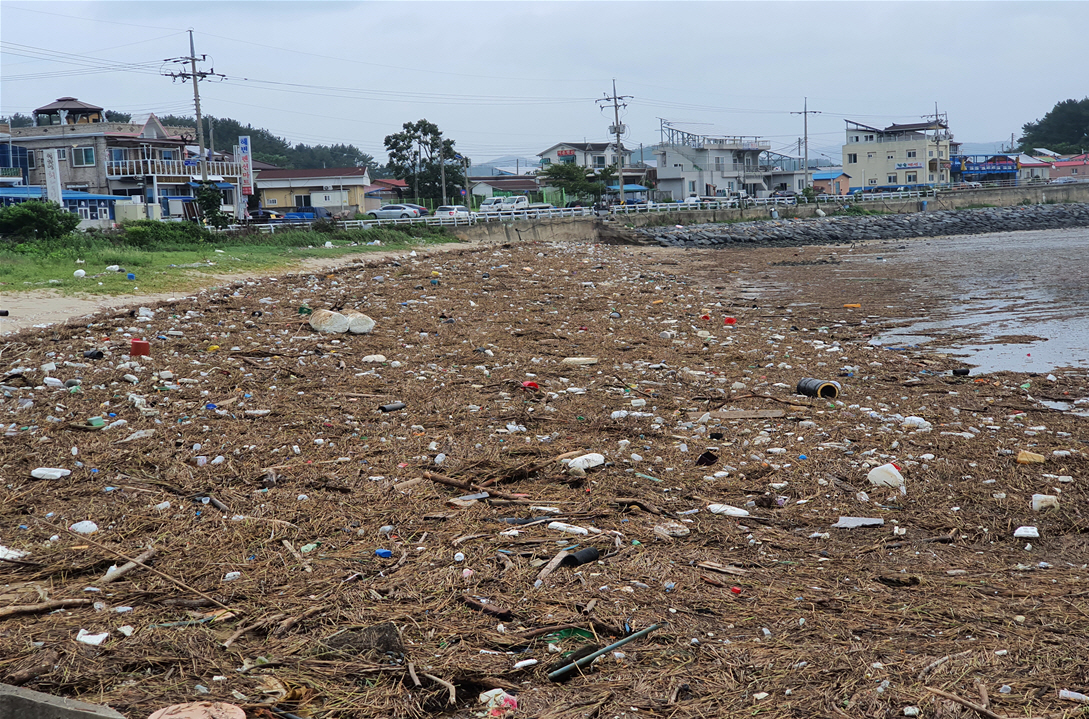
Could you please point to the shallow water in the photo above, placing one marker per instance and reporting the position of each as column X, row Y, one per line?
column 1032, row 287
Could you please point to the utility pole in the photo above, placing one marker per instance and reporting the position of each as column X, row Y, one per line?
column 618, row 130
column 196, row 76
column 212, row 136
column 442, row 168
column 805, row 113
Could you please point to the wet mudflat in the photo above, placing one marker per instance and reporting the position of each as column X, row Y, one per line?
column 320, row 556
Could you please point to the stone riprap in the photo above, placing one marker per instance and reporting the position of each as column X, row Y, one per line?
column 857, row 228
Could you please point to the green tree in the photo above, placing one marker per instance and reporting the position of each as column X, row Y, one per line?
column 209, row 199
column 17, row 120
column 112, row 116
column 574, row 180
column 36, row 220
column 419, row 154
column 1065, row 129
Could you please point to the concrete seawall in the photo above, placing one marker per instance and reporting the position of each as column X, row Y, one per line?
column 617, row 230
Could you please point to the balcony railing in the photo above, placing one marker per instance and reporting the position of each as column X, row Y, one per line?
column 173, row 168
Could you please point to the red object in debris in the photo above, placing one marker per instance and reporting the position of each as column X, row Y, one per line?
column 729, row 321
column 140, row 348
column 530, row 385
column 735, row 590
column 705, row 317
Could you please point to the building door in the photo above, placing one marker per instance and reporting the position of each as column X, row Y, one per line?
column 302, row 200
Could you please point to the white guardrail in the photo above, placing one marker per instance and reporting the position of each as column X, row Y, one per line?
column 475, row 218
column 733, row 203
column 647, row 207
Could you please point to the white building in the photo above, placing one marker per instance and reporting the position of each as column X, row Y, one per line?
column 594, row 155
column 899, row 155
column 691, row 164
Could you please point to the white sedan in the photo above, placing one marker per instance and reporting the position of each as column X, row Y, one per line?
column 454, row 212
column 393, row 212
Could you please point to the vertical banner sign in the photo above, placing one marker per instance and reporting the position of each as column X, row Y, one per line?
column 247, row 164
column 52, row 177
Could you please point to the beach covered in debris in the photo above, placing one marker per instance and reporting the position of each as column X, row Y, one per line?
column 538, row 451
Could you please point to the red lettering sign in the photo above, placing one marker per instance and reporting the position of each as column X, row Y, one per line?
column 565, row 153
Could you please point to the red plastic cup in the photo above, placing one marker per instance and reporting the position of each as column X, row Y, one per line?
column 729, row 321
column 140, row 348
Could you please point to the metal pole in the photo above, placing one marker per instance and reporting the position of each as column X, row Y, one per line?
column 805, row 124
column 442, row 171
column 196, row 105
column 619, row 154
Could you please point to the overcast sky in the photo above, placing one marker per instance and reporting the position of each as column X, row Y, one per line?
column 510, row 77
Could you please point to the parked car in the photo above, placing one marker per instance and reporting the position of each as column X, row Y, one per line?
column 393, row 212
column 1064, row 180
column 455, row 212
column 420, row 209
column 504, row 204
column 315, row 213
column 265, row 216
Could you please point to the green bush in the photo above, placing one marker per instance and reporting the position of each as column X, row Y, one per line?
column 36, row 220
column 155, row 235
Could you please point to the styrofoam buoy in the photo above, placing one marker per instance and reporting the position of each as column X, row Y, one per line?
column 329, row 322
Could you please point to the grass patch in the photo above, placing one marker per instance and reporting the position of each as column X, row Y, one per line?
column 182, row 260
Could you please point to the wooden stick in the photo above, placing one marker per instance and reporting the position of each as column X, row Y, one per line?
column 292, row 621
column 982, row 711
column 126, row 568
column 938, row 662
column 412, row 674
column 49, row 606
column 449, row 687
column 302, row 560
column 164, row 575
column 250, row 627
column 469, row 486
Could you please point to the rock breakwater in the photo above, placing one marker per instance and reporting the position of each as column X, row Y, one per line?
column 857, row 228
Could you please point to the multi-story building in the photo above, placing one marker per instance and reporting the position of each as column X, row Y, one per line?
column 707, row 166
column 341, row 190
column 899, row 155
column 594, row 155
column 142, row 160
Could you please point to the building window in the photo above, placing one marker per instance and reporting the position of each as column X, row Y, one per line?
column 31, row 160
column 911, row 177
column 869, row 155
column 568, row 159
column 855, row 139
column 302, row 200
column 546, row 160
column 892, row 179
column 891, row 156
column 873, row 180
column 691, row 185
column 117, row 154
column 911, row 153
column 932, row 177
column 599, row 161
column 869, row 138
column 84, row 213
column 62, row 154
column 852, row 158
column 720, row 163
column 168, row 154
column 83, row 157
column 272, row 201
column 941, row 153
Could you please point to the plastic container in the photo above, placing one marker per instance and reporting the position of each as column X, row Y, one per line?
column 392, row 407
column 140, row 348
column 811, row 387
column 1040, row 502
column 887, row 475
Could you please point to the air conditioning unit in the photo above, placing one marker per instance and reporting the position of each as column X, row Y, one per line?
column 327, row 188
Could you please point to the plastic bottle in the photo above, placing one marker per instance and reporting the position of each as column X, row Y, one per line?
column 887, row 475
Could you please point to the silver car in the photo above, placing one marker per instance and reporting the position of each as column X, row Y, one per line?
column 393, row 212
